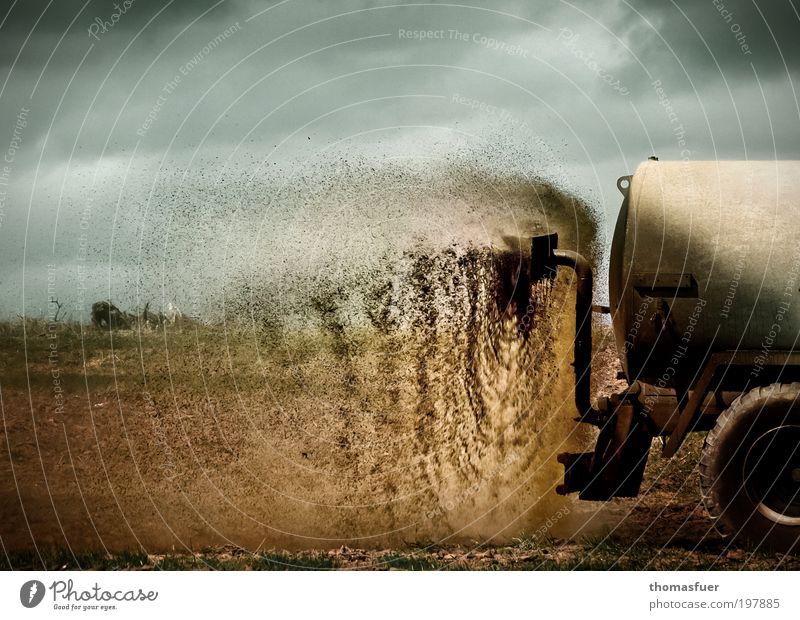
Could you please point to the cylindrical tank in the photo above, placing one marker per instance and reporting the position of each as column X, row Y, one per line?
column 705, row 257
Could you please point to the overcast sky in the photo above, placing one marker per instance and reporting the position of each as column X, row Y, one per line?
column 96, row 96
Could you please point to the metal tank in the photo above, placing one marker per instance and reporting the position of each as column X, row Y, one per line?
column 714, row 246
column 704, row 287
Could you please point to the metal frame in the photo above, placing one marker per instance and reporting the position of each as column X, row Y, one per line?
column 688, row 413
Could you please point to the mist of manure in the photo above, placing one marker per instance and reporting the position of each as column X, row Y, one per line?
column 426, row 384
column 372, row 367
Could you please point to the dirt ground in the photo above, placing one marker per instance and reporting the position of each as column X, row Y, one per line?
column 107, row 473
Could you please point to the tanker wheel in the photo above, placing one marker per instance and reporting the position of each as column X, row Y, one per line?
column 750, row 468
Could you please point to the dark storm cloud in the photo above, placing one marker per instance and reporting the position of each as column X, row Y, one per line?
column 74, row 64
column 725, row 70
column 54, row 16
column 589, row 95
column 564, row 89
column 32, row 29
column 714, row 37
column 630, row 44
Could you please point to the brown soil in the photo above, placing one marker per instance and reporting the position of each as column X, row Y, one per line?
column 124, row 469
column 204, row 436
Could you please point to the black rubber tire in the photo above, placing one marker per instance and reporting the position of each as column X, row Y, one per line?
column 731, row 458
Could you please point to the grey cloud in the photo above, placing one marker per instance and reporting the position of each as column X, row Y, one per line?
column 715, row 37
column 520, row 91
column 53, row 17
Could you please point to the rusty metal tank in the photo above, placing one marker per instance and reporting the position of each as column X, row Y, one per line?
column 705, row 257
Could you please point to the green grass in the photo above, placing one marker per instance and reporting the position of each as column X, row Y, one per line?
column 679, row 475
column 592, row 554
column 60, row 559
column 63, row 559
column 195, row 356
column 413, row 562
column 286, row 561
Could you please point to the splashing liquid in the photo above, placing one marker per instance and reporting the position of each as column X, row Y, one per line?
column 382, row 374
column 440, row 389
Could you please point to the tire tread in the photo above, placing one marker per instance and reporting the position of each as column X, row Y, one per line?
column 715, row 439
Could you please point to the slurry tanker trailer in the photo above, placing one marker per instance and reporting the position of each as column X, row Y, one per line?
column 704, row 290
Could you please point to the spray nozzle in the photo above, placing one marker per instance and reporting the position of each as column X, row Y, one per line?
column 543, row 260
